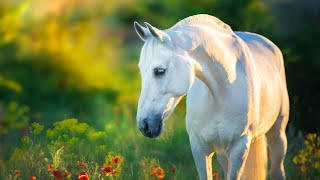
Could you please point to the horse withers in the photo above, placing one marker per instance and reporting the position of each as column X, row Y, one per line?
column 237, row 100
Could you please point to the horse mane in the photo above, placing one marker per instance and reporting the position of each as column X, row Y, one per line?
column 204, row 18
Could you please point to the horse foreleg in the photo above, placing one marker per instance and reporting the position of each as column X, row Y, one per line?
column 237, row 155
column 202, row 158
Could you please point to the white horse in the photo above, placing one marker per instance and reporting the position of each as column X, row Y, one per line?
column 236, row 94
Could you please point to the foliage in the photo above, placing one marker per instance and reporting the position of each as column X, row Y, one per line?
column 13, row 117
column 32, row 158
column 308, row 158
column 74, row 136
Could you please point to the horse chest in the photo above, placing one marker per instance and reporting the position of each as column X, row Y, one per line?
column 216, row 132
column 207, row 123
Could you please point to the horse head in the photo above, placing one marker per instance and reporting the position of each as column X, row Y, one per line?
column 167, row 73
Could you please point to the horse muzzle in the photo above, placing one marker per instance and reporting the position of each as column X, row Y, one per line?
column 151, row 127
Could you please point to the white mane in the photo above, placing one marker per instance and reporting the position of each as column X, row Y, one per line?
column 204, row 18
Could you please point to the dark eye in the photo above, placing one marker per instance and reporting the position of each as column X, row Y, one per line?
column 158, row 72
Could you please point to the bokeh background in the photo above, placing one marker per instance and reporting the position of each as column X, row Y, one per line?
column 78, row 59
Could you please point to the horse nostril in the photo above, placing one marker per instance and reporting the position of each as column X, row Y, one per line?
column 146, row 126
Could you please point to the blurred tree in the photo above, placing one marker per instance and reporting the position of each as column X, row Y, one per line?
column 59, row 54
column 240, row 15
column 297, row 29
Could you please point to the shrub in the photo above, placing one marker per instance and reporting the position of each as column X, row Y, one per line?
column 307, row 160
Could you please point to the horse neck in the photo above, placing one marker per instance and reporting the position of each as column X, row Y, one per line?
column 214, row 53
column 212, row 74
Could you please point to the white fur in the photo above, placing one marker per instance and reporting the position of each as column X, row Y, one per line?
column 236, row 93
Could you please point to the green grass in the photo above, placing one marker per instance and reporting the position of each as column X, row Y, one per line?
column 110, row 129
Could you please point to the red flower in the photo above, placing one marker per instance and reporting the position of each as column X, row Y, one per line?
column 116, row 160
column 17, row 173
column 303, row 168
column 57, row 174
column 107, row 169
column 173, row 170
column 68, row 174
column 32, row 178
column 83, row 176
column 215, row 176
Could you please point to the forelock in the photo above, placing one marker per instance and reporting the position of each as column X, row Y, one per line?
column 153, row 48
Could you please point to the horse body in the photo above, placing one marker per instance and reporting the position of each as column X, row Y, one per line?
column 237, row 96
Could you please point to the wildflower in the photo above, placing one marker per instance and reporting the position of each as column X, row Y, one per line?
column 107, row 169
column 173, row 170
column 158, row 172
column 215, row 176
column 303, row 168
column 17, row 173
column 68, row 174
column 83, row 176
column 57, row 174
column 116, row 160
column 32, row 178
column 50, row 167
column 81, row 164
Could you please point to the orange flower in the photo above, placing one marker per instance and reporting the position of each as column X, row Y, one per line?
column 68, row 174
column 215, row 176
column 158, row 172
column 32, row 178
column 17, row 173
column 83, row 176
column 173, row 170
column 50, row 167
column 81, row 164
column 107, row 169
column 303, row 168
column 116, row 160
column 57, row 174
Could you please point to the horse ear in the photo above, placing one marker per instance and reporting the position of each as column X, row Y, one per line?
column 159, row 34
column 142, row 32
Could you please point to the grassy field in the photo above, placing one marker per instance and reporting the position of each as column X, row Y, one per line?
column 66, row 143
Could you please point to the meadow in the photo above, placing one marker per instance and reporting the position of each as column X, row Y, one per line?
column 69, row 86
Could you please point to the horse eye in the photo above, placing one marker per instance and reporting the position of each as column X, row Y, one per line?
column 158, row 72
